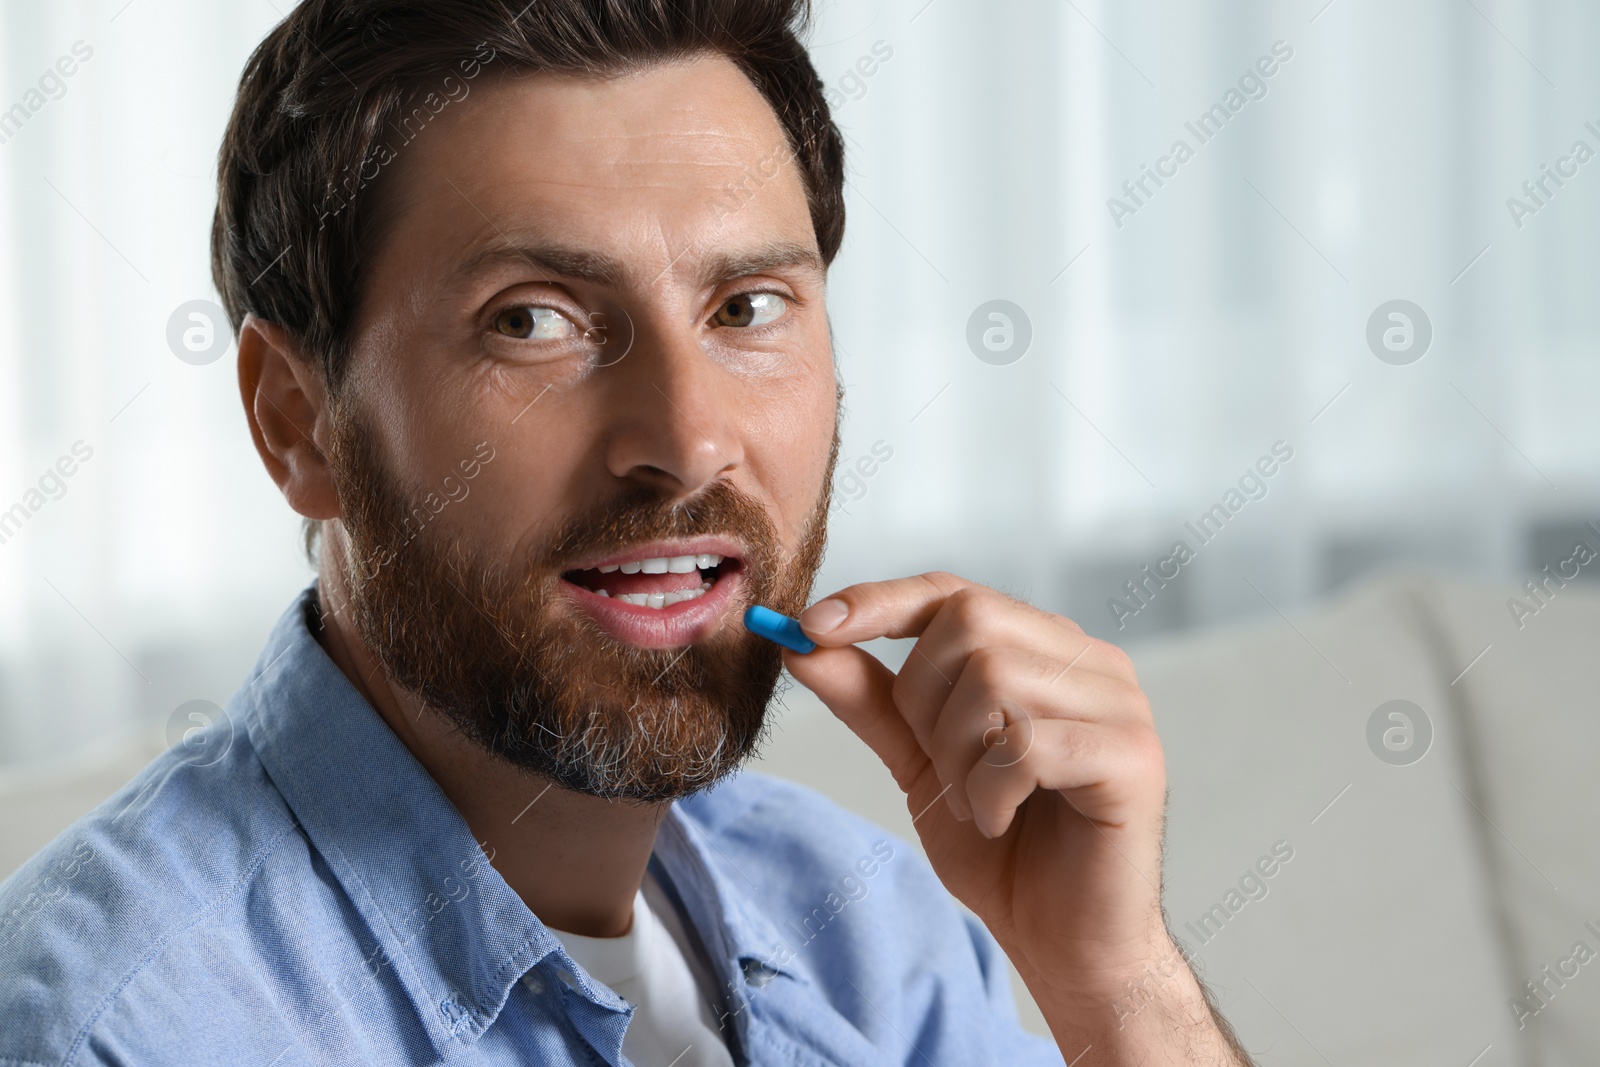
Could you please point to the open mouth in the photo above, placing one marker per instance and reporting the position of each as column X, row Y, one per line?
column 657, row 582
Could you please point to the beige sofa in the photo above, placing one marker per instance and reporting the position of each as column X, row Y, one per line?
column 1407, row 903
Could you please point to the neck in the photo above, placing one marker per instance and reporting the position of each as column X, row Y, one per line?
column 575, row 860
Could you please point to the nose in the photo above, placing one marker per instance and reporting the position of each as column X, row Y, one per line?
column 673, row 413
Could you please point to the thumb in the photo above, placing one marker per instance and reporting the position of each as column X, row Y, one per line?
column 859, row 691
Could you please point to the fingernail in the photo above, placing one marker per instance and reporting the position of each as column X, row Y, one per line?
column 824, row 616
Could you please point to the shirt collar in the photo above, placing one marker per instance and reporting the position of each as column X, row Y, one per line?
column 454, row 933
column 717, row 896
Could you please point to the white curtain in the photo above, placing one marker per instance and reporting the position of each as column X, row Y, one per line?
column 1227, row 312
column 1173, row 346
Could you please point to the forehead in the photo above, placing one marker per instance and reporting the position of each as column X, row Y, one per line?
column 643, row 167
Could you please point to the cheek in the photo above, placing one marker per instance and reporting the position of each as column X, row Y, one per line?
column 542, row 467
column 788, row 438
column 436, row 431
column 433, row 433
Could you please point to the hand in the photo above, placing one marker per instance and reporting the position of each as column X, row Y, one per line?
column 1034, row 776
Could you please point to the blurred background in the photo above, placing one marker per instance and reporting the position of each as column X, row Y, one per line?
column 1167, row 338
column 1106, row 264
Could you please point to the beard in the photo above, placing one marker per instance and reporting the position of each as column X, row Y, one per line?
column 495, row 647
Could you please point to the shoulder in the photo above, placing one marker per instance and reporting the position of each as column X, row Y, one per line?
column 814, row 864
column 861, row 915
column 771, row 820
column 99, row 906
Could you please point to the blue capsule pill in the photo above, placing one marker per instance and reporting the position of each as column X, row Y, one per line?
column 778, row 628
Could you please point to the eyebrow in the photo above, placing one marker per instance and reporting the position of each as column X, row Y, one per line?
column 552, row 259
column 725, row 266
column 583, row 265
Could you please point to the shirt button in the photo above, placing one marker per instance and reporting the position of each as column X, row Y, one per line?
column 534, row 983
column 568, row 979
column 454, row 1009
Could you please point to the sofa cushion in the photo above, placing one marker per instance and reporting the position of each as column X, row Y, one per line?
column 1376, row 943
column 1533, row 702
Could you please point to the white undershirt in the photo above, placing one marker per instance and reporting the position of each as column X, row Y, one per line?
column 656, row 970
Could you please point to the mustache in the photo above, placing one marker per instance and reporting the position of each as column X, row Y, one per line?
column 635, row 515
column 640, row 514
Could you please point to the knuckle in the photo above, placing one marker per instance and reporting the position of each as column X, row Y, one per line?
column 1073, row 744
column 1116, row 657
column 989, row 667
column 943, row 581
column 1138, row 711
column 1139, row 703
column 1144, row 746
column 968, row 607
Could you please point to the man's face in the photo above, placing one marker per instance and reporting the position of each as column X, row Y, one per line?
column 592, row 338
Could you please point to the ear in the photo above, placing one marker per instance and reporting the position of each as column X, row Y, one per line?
column 286, row 404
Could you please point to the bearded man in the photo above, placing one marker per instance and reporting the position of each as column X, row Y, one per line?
column 530, row 306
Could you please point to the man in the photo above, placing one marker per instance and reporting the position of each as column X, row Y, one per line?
column 531, row 321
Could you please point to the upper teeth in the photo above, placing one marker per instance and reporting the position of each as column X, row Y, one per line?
column 665, row 564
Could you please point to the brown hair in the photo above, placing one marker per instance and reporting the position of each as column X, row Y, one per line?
column 323, row 97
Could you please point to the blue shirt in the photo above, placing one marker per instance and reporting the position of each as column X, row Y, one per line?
column 291, row 887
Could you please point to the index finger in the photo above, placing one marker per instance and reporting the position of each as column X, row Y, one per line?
column 900, row 607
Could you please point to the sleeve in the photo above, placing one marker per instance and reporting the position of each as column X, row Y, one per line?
column 1013, row 1044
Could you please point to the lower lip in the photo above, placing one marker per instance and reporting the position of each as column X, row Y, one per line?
column 682, row 623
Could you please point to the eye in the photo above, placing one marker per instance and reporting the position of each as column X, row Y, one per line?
column 533, row 323
column 751, row 309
